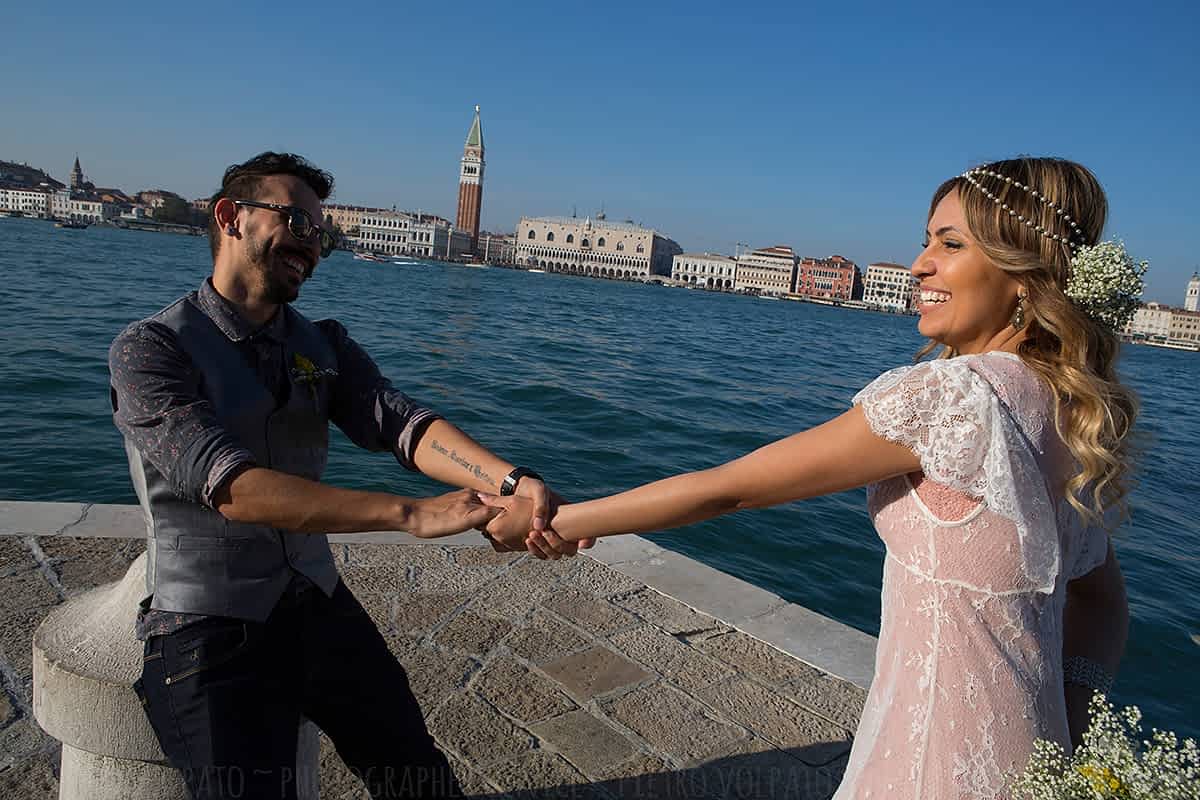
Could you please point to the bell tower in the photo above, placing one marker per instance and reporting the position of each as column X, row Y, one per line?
column 1192, row 299
column 470, row 182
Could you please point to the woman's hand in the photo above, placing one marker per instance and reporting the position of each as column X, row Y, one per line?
column 432, row 517
column 513, row 528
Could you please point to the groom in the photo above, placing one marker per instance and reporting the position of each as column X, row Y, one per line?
column 224, row 399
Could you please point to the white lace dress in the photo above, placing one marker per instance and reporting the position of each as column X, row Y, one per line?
column 968, row 670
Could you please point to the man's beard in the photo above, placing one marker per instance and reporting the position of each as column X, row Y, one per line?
column 276, row 288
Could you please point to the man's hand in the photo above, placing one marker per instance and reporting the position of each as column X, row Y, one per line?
column 509, row 528
column 545, row 503
column 446, row 514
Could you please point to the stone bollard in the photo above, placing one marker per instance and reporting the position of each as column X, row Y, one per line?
column 85, row 660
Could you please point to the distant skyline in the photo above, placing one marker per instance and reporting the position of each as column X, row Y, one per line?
column 826, row 130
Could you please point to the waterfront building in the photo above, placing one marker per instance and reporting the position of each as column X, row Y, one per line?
column 348, row 218
column 497, row 248
column 769, row 270
column 596, row 248
column 202, row 204
column 1150, row 321
column 470, row 182
column 706, row 270
column 421, row 235
column 81, row 207
column 32, row 201
column 890, row 286
column 833, row 278
column 1193, row 293
column 1185, row 327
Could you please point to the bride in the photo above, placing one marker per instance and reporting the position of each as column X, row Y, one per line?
column 995, row 473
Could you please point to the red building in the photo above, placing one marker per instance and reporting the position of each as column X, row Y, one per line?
column 470, row 182
column 833, row 278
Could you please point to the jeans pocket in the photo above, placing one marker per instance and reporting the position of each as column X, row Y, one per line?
column 205, row 646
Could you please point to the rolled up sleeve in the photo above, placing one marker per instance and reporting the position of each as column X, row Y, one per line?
column 159, row 408
column 367, row 408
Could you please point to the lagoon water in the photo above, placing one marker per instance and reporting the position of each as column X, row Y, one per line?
column 599, row 386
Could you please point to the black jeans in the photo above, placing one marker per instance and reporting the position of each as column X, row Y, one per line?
column 225, row 698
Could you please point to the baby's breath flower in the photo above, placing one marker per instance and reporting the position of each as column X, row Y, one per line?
column 1113, row 763
column 1106, row 283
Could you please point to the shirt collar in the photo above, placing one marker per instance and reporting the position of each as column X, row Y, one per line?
column 233, row 324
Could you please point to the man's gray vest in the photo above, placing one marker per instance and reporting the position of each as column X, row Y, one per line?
column 198, row 561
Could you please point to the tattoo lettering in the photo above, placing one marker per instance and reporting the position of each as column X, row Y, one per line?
column 466, row 464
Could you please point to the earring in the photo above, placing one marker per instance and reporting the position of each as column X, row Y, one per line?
column 230, row 229
column 1018, row 317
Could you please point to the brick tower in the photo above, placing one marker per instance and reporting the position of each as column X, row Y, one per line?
column 470, row 182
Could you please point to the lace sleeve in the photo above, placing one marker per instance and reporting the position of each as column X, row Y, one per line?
column 950, row 416
column 942, row 411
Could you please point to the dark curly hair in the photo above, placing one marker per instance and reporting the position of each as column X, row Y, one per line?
column 243, row 182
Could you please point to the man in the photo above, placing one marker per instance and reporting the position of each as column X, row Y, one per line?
column 224, row 399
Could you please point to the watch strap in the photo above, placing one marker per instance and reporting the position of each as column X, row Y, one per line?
column 509, row 484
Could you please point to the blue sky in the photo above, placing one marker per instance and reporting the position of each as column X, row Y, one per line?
column 825, row 128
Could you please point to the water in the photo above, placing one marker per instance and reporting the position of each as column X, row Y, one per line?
column 599, row 386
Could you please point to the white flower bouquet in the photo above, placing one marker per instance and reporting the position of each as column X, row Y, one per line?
column 1113, row 763
column 1106, row 283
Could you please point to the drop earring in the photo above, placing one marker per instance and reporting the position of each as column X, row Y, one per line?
column 1018, row 317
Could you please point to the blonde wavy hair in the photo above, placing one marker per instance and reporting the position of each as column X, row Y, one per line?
column 1072, row 353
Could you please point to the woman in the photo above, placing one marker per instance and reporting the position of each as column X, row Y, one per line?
column 991, row 471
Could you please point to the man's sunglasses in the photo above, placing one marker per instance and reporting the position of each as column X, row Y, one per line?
column 299, row 224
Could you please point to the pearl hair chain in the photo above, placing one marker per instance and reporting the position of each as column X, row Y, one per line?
column 1068, row 240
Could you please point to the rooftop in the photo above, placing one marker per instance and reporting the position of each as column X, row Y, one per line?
column 597, row 224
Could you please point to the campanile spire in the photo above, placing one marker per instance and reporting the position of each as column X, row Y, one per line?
column 470, row 181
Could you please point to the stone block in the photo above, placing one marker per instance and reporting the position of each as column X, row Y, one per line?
column 818, row 640
column 19, row 518
column 778, row 720
column 677, row 662
column 470, row 633
column 515, row 593
column 7, row 710
column 33, row 778
column 702, row 587
column 28, row 598
column 22, row 740
column 473, row 784
column 833, row 698
column 365, row 579
column 544, row 776
column 591, row 613
column 672, row 722
column 434, row 675
column 471, row 729
column 420, row 613
column 338, row 782
column 665, row 612
column 544, row 639
column 521, row 693
column 14, row 556
column 84, row 563
column 482, row 557
column 592, row 745
column 753, row 657
column 597, row 578
column 594, row 672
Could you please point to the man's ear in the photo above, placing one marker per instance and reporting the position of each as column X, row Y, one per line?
column 225, row 212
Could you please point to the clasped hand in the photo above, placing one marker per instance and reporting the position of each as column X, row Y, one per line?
column 520, row 523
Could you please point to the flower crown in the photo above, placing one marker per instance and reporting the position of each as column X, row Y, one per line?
column 1104, row 281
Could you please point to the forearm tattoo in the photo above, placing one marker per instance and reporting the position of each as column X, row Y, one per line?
column 466, row 464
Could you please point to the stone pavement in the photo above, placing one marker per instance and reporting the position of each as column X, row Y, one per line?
column 538, row 679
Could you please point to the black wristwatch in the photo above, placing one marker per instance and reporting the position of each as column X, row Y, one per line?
column 509, row 485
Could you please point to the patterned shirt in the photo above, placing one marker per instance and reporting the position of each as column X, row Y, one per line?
column 160, row 407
